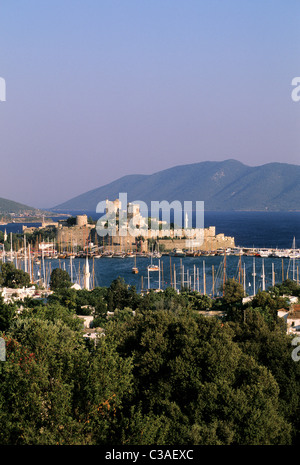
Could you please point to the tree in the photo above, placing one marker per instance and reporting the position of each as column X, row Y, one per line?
column 54, row 390
column 188, row 369
column 36, row 392
column 120, row 295
column 270, row 346
column 23, row 382
column 7, row 314
column 287, row 287
column 233, row 292
column 13, row 278
column 60, row 279
column 53, row 312
column 199, row 301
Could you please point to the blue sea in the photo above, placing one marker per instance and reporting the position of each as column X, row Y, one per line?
column 250, row 229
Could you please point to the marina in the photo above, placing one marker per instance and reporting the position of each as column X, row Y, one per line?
column 255, row 267
column 205, row 273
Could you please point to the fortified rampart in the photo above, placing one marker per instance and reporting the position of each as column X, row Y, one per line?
column 81, row 234
column 74, row 236
column 213, row 243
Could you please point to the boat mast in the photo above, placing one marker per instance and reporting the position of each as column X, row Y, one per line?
column 204, row 278
column 174, row 277
column 29, row 253
column 71, row 267
column 224, row 273
column 11, row 248
column 293, row 257
column 158, row 274
column 263, row 276
column 25, row 255
column 253, row 274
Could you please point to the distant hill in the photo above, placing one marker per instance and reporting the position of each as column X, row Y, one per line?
column 9, row 206
column 223, row 186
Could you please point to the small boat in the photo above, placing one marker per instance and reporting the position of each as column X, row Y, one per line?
column 119, row 255
column 178, row 253
column 263, row 253
column 153, row 267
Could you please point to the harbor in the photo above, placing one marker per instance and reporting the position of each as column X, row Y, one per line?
column 205, row 273
column 155, row 262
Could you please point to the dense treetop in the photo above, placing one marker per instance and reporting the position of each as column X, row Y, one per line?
column 160, row 372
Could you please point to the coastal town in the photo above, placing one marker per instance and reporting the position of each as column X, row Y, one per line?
column 77, row 238
column 149, row 228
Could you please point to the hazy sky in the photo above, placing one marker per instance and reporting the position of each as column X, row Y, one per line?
column 97, row 89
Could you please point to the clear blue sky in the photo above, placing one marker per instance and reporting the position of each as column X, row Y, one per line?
column 97, row 89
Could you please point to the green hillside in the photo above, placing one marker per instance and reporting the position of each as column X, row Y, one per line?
column 9, row 206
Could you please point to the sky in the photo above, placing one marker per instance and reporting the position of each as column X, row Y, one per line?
column 99, row 89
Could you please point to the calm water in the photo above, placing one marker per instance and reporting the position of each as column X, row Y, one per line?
column 191, row 270
column 250, row 229
column 257, row 229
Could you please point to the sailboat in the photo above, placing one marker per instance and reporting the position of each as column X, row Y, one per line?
column 152, row 267
column 135, row 270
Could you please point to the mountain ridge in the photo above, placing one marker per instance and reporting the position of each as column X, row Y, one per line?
column 10, row 206
column 225, row 185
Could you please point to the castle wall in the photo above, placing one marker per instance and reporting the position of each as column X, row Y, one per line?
column 210, row 243
column 73, row 236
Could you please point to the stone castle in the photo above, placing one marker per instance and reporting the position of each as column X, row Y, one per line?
column 132, row 231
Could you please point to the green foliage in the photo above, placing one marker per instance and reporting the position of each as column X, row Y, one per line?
column 54, row 313
column 287, row 287
column 53, row 391
column 13, row 278
column 71, row 221
column 269, row 300
column 233, row 292
column 7, row 314
column 160, row 374
column 269, row 344
column 120, row 295
column 188, row 369
column 198, row 301
column 60, row 279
